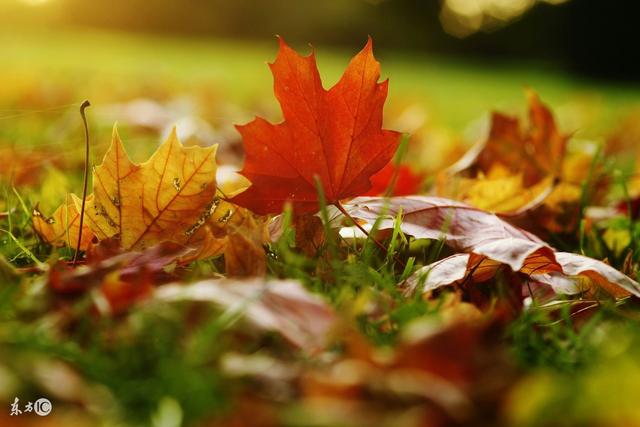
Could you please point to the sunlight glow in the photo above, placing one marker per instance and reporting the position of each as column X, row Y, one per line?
column 465, row 17
column 35, row 2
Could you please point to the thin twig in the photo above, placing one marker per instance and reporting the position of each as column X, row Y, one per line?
column 83, row 107
column 366, row 233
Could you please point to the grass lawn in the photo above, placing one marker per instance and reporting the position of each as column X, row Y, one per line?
column 455, row 92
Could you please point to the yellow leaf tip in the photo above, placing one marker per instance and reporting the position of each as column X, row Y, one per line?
column 114, row 131
column 173, row 135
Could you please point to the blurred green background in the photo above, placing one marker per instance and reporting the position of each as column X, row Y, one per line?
column 589, row 37
column 200, row 64
column 455, row 59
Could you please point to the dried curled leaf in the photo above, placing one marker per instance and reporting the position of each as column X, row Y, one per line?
column 566, row 273
column 536, row 153
column 511, row 171
column 463, row 227
column 603, row 275
column 335, row 135
column 491, row 240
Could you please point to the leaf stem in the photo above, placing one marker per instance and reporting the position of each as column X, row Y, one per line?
column 324, row 214
column 83, row 107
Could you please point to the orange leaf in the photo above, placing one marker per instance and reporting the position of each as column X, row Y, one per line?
column 169, row 198
column 63, row 227
column 335, row 135
column 166, row 198
column 536, row 153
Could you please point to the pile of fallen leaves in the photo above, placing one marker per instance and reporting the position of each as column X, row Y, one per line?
column 301, row 246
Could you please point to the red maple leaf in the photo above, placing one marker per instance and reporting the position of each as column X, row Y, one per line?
column 401, row 178
column 335, row 135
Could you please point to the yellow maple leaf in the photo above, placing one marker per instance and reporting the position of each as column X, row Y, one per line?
column 62, row 228
column 168, row 197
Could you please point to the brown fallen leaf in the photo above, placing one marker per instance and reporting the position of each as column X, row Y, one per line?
column 206, row 243
column 244, row 255
column 442, row 371
column 511, row 172
column 210, row 239
column 602, row 274
column 463, row 227
column 623, row 147
column 578, row 274
column 535, row 153
column 471, row 230
column 119, row 278
column 310, row 234
column 284, row 306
